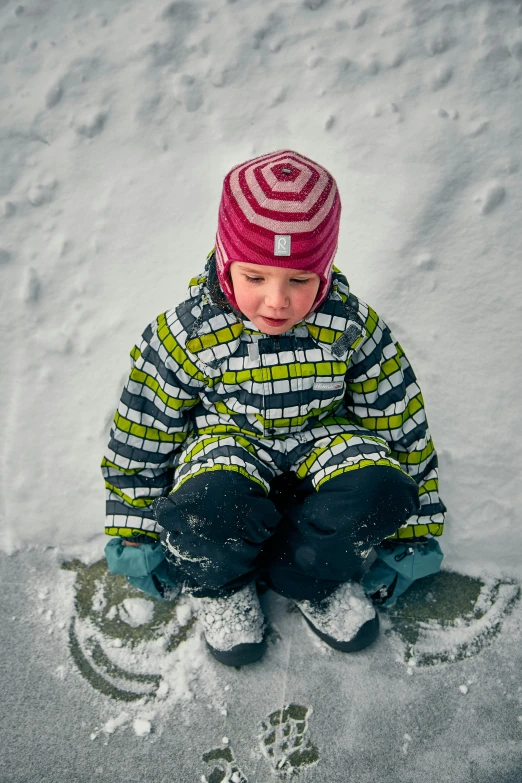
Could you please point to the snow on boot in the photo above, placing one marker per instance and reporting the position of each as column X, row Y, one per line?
column 234, row 626
column 346, row 619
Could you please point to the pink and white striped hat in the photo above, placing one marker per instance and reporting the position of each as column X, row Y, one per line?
column 280, row 209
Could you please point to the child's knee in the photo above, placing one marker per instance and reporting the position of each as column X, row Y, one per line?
column 215, row 525
column 219, row 505
column 376, row 487
column 378, row 499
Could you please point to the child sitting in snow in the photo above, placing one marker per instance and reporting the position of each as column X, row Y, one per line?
column 271, row 426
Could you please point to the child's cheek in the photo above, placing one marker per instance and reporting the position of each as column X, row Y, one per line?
column 305, row 301
column 246, row 299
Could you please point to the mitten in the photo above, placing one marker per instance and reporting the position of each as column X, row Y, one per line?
column 144, row 567
column 399, row 563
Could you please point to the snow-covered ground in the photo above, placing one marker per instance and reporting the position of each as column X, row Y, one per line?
column 118, row 122
column 126, row 705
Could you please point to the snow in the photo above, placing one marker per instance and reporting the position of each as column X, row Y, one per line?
column 136, row 611
column 118, row 122
column 112, row 159
column 115, row 723
column 363, row 711
column 342, row 614
column 142, row 728
column 232, row 620
column 465, row 634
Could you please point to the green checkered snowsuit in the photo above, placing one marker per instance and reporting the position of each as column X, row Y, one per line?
column 207, row 391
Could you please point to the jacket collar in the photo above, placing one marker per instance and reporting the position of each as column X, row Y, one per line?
column 336, row 326
column 216, row 332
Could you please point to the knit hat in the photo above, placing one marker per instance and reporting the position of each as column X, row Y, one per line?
column 280, row 209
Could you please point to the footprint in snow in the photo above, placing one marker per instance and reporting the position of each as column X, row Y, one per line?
column 31, row 286
column 438, row 44
column 490, row 198
column 360, row 19
column 440, row 77
column 42, row 192
column 226, row 771
column 91, row 123
column 284, row 740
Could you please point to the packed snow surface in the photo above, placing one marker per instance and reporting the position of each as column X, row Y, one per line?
column 304, row 704
column 118, row 122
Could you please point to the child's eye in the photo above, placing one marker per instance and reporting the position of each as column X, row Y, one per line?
column 253, row 279
column 301, row 280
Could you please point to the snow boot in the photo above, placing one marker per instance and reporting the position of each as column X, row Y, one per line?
column 346, row 619
column 234, row 626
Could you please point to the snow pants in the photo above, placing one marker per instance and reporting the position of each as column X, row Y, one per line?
column 223, row 527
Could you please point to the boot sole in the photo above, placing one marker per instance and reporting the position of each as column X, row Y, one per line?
column 367, row 633
column 241, row 654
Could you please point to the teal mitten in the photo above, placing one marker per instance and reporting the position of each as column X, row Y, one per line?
column 398, row 565
column 144, row 567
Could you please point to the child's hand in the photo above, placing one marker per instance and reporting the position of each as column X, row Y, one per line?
column 130, row 543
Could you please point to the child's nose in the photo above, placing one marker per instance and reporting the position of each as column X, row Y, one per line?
column 277, row 297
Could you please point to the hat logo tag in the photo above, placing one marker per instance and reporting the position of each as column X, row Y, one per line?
column 282, row 245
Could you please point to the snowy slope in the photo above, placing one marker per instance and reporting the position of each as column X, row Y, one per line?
column 118, row 122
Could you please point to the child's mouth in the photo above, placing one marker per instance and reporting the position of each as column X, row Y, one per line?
column 274, row 321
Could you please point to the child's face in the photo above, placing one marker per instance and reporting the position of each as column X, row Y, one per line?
column 273, row 298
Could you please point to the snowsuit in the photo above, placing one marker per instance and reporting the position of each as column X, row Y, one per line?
column 215, row 408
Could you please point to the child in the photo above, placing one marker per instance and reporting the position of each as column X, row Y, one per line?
column 271, row 426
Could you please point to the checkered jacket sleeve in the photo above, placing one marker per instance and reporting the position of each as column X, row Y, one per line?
column 383, row 395
column 150, row 424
